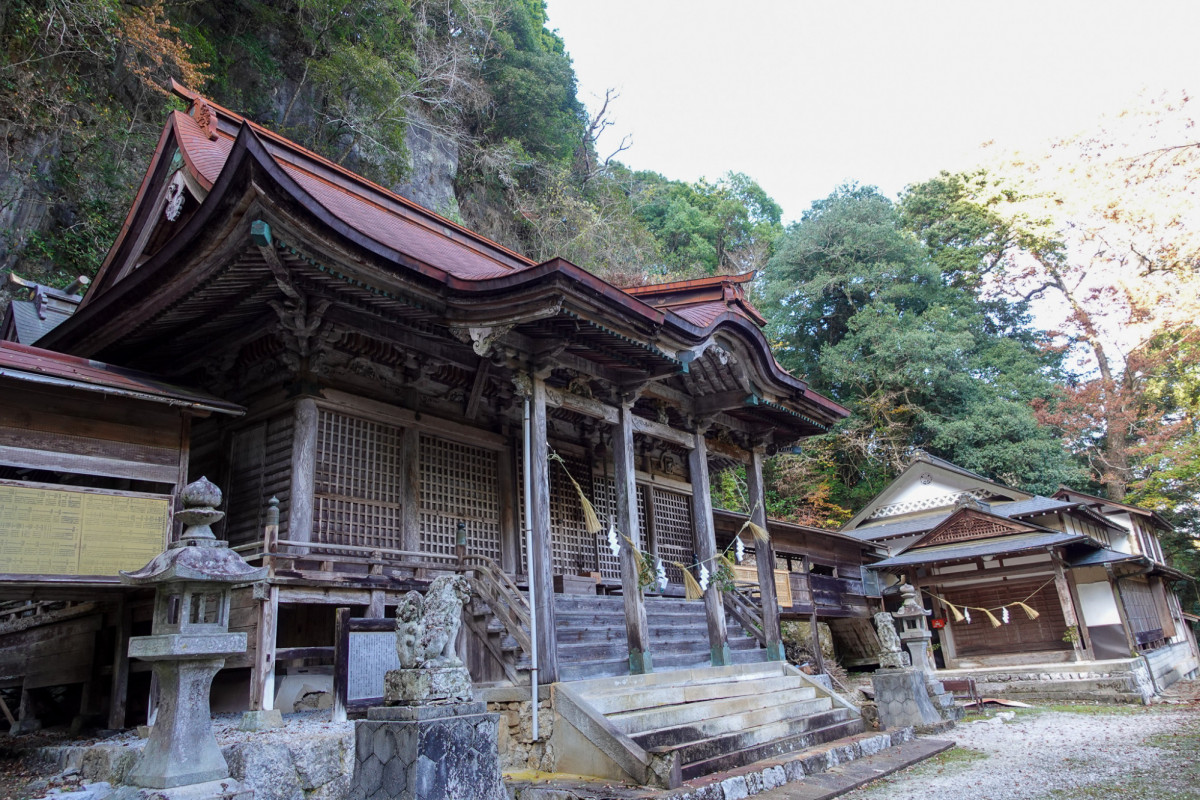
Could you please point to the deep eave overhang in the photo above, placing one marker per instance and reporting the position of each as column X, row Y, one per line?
column 156, row 283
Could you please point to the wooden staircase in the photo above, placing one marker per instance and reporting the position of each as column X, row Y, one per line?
column 592, row 640
column 694, row 722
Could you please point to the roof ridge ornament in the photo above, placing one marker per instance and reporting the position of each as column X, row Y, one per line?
column 206, row 118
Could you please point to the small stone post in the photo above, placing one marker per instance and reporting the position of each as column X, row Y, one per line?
column 190, row 639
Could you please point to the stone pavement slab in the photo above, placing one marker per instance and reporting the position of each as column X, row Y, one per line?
column 860, row 772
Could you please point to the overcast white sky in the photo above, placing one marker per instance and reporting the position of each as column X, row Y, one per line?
column 803, row 96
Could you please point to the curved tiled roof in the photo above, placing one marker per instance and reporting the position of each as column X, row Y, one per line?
column 369, row 209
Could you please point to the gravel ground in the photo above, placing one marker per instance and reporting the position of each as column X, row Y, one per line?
column 1060, row 753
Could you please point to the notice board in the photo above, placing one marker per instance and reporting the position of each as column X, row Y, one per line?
column 61, row 530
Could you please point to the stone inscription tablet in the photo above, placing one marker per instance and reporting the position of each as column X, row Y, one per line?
column 371, row 656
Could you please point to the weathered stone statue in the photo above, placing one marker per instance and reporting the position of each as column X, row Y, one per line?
column 430, row 739
column 426, row 631
column 907, row 695
column 891, row 653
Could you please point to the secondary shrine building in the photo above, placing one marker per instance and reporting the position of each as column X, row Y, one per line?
column 1066, row 595
column 384, row 395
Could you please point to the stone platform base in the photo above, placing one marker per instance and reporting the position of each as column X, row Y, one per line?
column 905, row 699
column 430, row 751
column 227, row 789
column 262, row 720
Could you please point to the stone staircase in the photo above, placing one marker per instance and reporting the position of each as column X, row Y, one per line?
column 687, row 723
column 592, row 639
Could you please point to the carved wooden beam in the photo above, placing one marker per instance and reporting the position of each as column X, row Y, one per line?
column 724, row 401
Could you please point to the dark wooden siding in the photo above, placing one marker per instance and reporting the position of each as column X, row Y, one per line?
column 1021, row 634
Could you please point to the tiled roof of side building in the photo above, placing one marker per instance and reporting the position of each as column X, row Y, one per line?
column 34, row 364
column 975, row 549
column 1017, row 508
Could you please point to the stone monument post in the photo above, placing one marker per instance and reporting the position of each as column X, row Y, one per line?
column 188, row 644
column 431, row 739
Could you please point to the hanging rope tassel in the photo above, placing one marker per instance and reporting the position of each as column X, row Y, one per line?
column 1031, row 612
column 958, row 615
column 991, row 617
column 691, row 589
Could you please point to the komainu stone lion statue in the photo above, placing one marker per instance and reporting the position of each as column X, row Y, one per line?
column 443, row 616
column 891, row 653
column 427, row 626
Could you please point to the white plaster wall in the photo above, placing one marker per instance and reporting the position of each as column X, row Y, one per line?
column 1098, row 604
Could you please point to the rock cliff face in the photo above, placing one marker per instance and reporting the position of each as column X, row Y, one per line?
column 433, row 168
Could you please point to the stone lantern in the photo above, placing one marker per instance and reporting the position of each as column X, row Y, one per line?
column 914, row 628
column 190, row 639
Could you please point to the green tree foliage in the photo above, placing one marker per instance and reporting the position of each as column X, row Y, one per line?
column 708, row 228
column 869, row 312
column 81, row 103
column 533, row 86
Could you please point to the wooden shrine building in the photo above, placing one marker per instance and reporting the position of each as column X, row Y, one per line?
column 1097, row 592
column 418, row 399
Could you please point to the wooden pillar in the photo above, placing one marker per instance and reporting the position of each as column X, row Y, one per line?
column 542, row 579
column 637, row 631
column 410, row 490
column 304, row 458
column 946, row 636
column 510, row 545
column 706, row 547
column 262, row 672
column 815, row 631
column 185, row 449
column 1071, row 616
column 119, row 693
column 764, row 557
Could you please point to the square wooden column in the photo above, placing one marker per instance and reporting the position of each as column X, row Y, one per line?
column 304, row 464
column 1066, row 598
column 624, row 471
column 705, row 536
column 541, row 582
column 764, row 557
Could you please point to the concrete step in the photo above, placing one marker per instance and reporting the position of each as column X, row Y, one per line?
column 632, row 700
column 694, row 744
column 789, row 702
column 749, row 755
column 700, row 674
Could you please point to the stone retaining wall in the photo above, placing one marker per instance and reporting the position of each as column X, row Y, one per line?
column 518, row 751
column 309, row 767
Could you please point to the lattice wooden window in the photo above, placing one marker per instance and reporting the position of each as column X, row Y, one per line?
column 604, row 495
column 357, row 482
column 673, row 530
column 459, row 482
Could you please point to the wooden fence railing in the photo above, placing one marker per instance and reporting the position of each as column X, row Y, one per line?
column 745, row 609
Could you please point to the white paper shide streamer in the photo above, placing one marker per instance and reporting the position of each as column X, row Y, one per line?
column 703, row 578
column 614, row 543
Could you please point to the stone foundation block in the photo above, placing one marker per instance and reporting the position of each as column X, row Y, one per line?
column 451, row 756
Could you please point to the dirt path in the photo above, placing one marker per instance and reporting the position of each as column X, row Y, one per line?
column 1061, row 753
